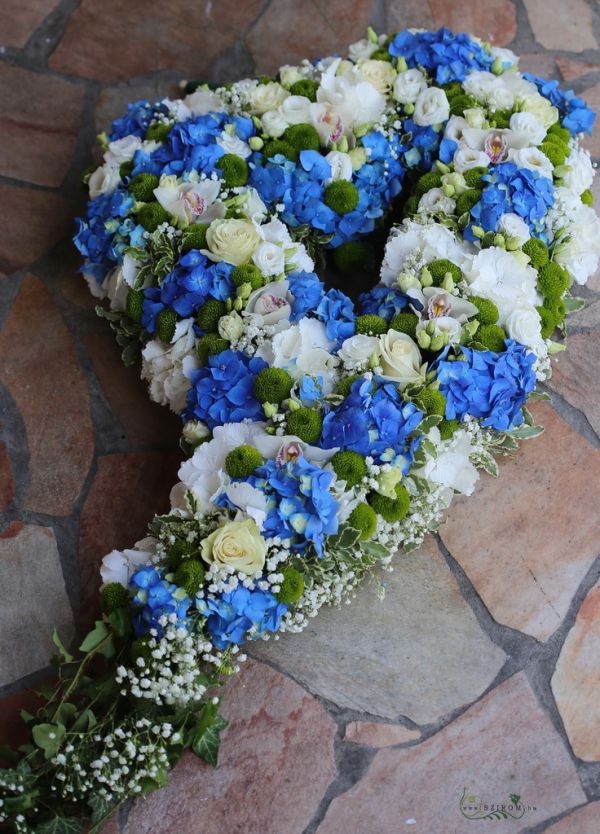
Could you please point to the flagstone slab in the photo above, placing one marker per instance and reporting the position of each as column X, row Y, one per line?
column 576, row 680
column 419, row 653
column 20, row 18
column 495, row 22
column 570, row 70
column 378, row 734
column 6, row 479
column 582, row 821
column 275, row 764
column 592, row 97
column 33, row 600
column 41, row 370
column 527, row 539
column 505, row 744
column 577, row 376
column 32, row 223
column 561, row 26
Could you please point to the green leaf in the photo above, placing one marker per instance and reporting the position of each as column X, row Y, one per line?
column 572, row 304
column 526, row 432
column 100, row 808
column 84, row 722
column 130, row 354
column 120, row 622
column 95, row 637
column 49, row 737
column 59, row 645
column 9, row 755
column 374, row 549
column 489, row 464
column 65, row 713
column 206, row 737
column 429, row 422
column 61, row 825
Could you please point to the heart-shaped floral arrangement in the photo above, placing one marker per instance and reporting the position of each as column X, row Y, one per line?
column 323, row 433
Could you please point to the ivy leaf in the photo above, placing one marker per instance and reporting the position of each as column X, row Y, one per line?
column 94, row 638
column 120, row 621
column 60, row 646
column 489, row 464
column 49, row 737
column 206, row 737
column 374, row 549
column 100, row 808
column 526, row 432
column 61, row 825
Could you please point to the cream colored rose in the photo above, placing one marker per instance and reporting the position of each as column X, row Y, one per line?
column 380, row 74
column 267, row 97
column 400, row 358
column 233, row 241
column 237, row 544
column 540, row 107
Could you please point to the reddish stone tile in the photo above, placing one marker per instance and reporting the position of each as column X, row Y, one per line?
column 42, row 373
column 276, row 761
column 576, row 680
column 374, row 734
column 575, row 69
column 493, row 21
column 592, row 97
column 144, row 422
column 527, row 538
column 294, row 29
column 39, row 122
column 127, row 491
column 116, row 40
column 20, row 18
column 576, row 376
column 14, row 731
column 505, row 744
column 111, row 827
column 562, row 26
column 538, row 63
column 13, row 530
column 407, row 14
column 582, row 821
column 33, row 221
column 6, row 479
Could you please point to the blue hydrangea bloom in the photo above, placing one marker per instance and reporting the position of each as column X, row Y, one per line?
column 232, row 615
column 488, row 385
column 223, row 390
column 575, row 115
column 373, row 420
column 103, row 235
column 446, row 56
column 336, row 311
column 383, row 301
column 300, row 506
column 516, row 190
column 307, row 290
column 156, row 598
column 310, row 390
column 136, row 120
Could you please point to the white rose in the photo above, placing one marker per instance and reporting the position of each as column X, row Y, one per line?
column 231, row 327
column 237, row 544
column 380, row 74
column 511, row 225
column 274, row 124
column 474, row 117
column 190, row 202
column 269, row 258
column 168, row 367
column 122, row 150
column 104, row 180
column 267, row 97
column 435, row 201
column 540, row 107
column 341, row 165
column 361, row 50
column 273, row 303
column 233, row 241
column 408, row 85
column 581, row 175
column 120, row 565
column 289, row 75
column 451, row 467
column 533, row 160
column 530, row 125
column 400, row 358
column 467, row 158
column 356, row 351
column 524, row 326
column 202, row 102
column 295, row 110
column 431, row 107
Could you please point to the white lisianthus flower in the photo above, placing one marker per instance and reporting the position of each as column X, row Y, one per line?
column 435, row 201
column 104, row 180
column 580, row 253
column 233, row 241
column 253, row 206
column 525, row 326
column 361, row 50
column 511, row 225
column 500, row 97
column 120, row 565
column 356, row 351
column 581, row 174
column 479, row 84
column 305, row 349
column 507, row 56
column 237, row 544
column 204, row 473
column 268, row 96
column 431, row 107
column 269, row 258
column 341, row 165
column 533, row 160
column 475, row 117
column 274, row 124
column 380, row 74
column 296, row 256
column 466, row 158
column 202, row 102
column 530, row 125
column 271, row 303
column 443, row 326
column 119, row 282
column 451, row 468
column 400, row 358
column 122, row 150
column 518, row 85
column 295, row 110
column 190, row 202
column 168, row 367
column 233, row 144
column 408, row 85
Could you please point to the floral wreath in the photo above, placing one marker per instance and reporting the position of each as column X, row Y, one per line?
column 323, row 434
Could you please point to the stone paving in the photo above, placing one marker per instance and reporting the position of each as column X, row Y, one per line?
column 480, row 672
